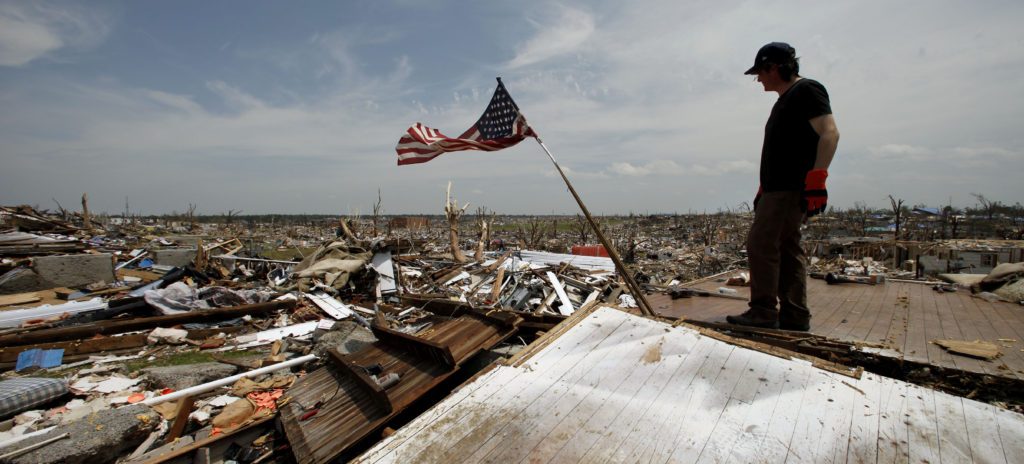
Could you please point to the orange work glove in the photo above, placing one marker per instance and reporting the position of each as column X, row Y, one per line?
column 815, row 196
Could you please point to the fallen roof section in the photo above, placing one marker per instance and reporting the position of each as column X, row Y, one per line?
column 336, row 406
column 616, row 387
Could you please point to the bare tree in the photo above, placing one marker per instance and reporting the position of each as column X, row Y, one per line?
column 376, row 212
column 897, row 215
column 63, row 212
column 86, row 219
column 531, row 233
column 453, row 213
column 230, row 215
column 632, row 243
column 191, row 216
column 484, row 224
column 582, row 228
column 987, row 207
column 859, row 216
column 708, row 228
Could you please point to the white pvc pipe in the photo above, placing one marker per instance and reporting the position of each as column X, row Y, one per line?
column 226, row 381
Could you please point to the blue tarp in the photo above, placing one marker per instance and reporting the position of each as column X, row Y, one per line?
column 38, row 357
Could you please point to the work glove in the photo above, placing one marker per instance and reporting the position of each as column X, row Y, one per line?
column 814, row 196
column 757, row 197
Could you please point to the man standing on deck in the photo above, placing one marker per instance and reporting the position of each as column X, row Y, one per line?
column 800, row 140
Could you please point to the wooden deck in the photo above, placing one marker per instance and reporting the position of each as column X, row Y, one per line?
column 616, row 387
column 903, row 316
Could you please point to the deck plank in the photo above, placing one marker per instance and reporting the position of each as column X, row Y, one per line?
column 954, row 447
column 905, row 316
column 574, row 434
column 544, row 416
column 984, row 425
column 863, row 444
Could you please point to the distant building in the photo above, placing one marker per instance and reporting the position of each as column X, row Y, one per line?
column 969, row 256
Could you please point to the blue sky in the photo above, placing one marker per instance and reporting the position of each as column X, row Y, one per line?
column 295, row 107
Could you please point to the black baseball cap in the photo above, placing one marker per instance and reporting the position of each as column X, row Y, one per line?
column 775, row 52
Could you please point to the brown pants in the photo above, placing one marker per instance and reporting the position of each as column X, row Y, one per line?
column 778, row 266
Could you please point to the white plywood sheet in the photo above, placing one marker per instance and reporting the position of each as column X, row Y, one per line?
column 622, row 388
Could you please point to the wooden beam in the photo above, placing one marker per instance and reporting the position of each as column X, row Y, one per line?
column 356, row 373
column 415, row 345
column 129, row 325
column 180, row 418
column 75, row 347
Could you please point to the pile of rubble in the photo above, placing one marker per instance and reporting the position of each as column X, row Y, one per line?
column 143, row 348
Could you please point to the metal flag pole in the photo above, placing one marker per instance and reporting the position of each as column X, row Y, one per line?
column 619, row 265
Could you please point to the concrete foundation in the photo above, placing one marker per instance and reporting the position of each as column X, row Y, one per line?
column 21, row 280
column 75, row 270
column 99, row 438
column 179, row 257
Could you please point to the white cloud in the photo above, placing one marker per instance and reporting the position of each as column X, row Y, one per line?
column 33, row 30
column 234, row 97
column 559, row 33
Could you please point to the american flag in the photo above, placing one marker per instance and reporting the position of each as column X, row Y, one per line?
column 501, row 126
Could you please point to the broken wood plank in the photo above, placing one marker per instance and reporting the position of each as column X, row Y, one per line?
column 76, row 347
column 19, row 298
column 977, row 348
column 180, row 418
column 121, row 326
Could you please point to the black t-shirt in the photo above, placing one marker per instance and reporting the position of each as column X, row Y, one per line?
column 790, row 143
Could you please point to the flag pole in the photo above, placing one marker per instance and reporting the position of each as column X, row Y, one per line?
column 619, row 265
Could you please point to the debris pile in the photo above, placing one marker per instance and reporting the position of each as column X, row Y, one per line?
column 141, row 345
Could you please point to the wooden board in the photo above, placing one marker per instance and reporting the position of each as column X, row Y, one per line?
column 905, row 317
column 617, row 387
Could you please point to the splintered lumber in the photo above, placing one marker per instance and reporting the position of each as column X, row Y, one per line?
column 121, row 326
column 977, row 348
column 180, row 418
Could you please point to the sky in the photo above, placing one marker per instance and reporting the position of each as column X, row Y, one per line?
column 296, row 107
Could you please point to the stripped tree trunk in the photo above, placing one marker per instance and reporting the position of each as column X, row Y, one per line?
column 85, row 214
column 453, row 213
column 479, row 256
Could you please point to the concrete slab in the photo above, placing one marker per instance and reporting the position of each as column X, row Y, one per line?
column 99, row 438
column 180, row 256
column 75, row 270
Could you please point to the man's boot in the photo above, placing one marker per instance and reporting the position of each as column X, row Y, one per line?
column 794, row 320
column 756, row 317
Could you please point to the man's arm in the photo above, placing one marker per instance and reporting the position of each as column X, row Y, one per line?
column 828, row 139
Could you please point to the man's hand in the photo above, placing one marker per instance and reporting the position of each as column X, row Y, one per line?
column 757, row 197
column 815, row 196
